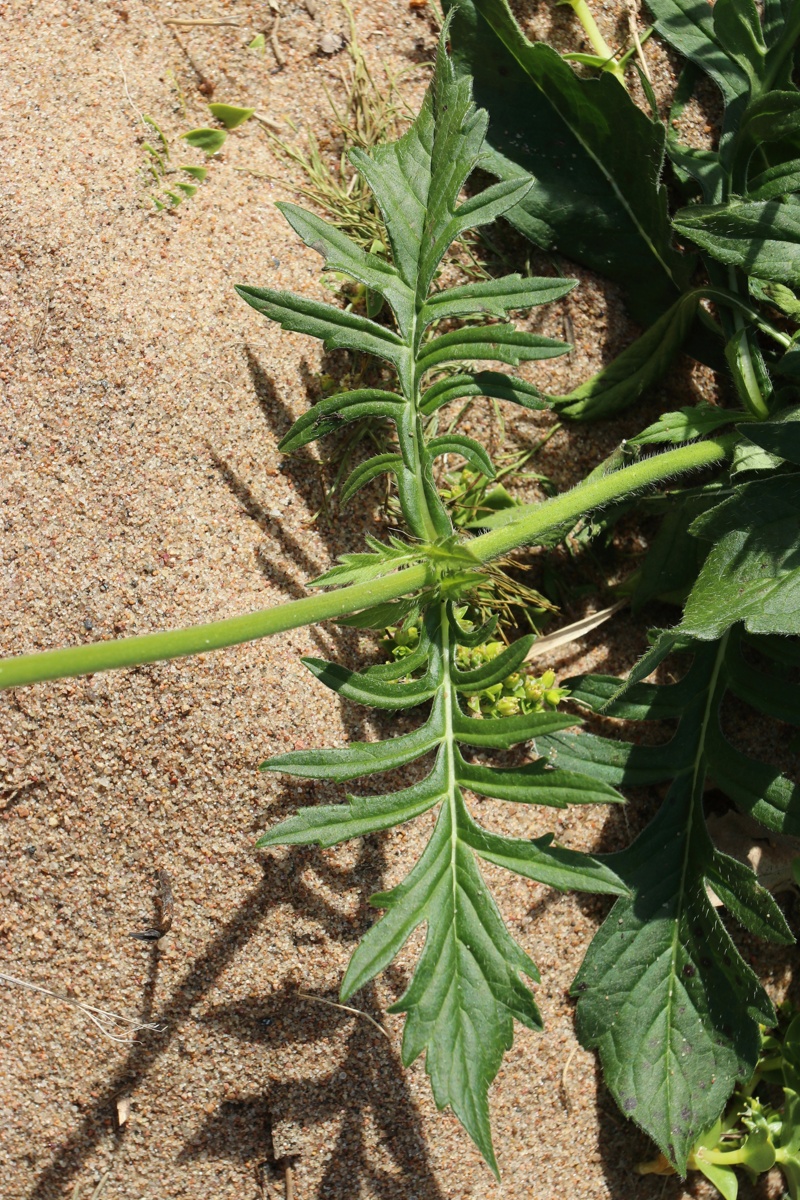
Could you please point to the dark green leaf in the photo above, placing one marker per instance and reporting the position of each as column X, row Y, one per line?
column 472, row 451
column 366, row 471
column 685, row 425
column 755, row 787
column 501, row 343
column 617, row 763
column 752, row 573
column 738, row 27
column 494, row 297
column 341, row 253
column 595, row 158
column 746, row 900
column 769, row 694
column 500, row 733
column 482, row 383
column 663, row 993
column 534, row 783
column 497, row 668
column 776, row 181
column 466, row 988
column 689, row 26
column 330, row 824
column 552, row 865
column 359, row 758
column 327, row 415
column 364, row 689
column 642, row 364
column 674, row 558
column 761, row 237
column 336, row 328
column 780, row 437
column 639, row 701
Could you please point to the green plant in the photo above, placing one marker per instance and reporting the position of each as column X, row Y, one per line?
column 370, row 114
column 663, row 992
column 759, row 1129
column 726, row 548
column 158, row 169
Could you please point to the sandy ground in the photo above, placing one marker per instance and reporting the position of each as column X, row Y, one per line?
column 141, row 489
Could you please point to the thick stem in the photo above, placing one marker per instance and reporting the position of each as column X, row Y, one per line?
column 531, row 522
column 154, row 647
column 534, row 520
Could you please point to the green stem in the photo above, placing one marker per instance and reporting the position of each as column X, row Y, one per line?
column 534, row 520
column 598, row 42
column 530, row 523
column 154, row 647
column 740, row 360
column 731, row 299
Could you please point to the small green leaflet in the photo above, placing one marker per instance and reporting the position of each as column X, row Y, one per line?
column 229, row 115
column 210, row 141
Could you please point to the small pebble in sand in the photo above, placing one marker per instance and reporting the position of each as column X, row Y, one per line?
column 330, row 43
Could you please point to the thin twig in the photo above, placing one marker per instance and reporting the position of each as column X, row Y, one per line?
column 128, row 96
column 280, row 57
column 166, row 907
column 565, row 1097
column 632, row 17
column 270, row 124
column 37, row 337
column 289, row 1182
column 101, row 1187
column 98, row 1191
column 208, row 22
column 346, row 1008
column 571, row 633
column 204, row 84
column 95, row 1015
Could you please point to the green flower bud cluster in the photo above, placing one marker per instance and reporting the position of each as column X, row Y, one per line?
column 401, row 641
column 520, row 692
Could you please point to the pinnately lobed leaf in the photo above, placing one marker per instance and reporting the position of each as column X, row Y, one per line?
column 466, row 990
column 469, row 984
column 663, row 994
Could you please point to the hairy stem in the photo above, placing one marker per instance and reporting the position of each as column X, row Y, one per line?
column 531, row 523
column 197, row 639
column 534, row 520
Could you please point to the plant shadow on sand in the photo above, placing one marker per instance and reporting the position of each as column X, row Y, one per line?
column 233, row 1130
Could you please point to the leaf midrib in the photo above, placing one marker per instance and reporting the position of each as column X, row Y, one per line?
column 450, row 765
column 698, row 776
